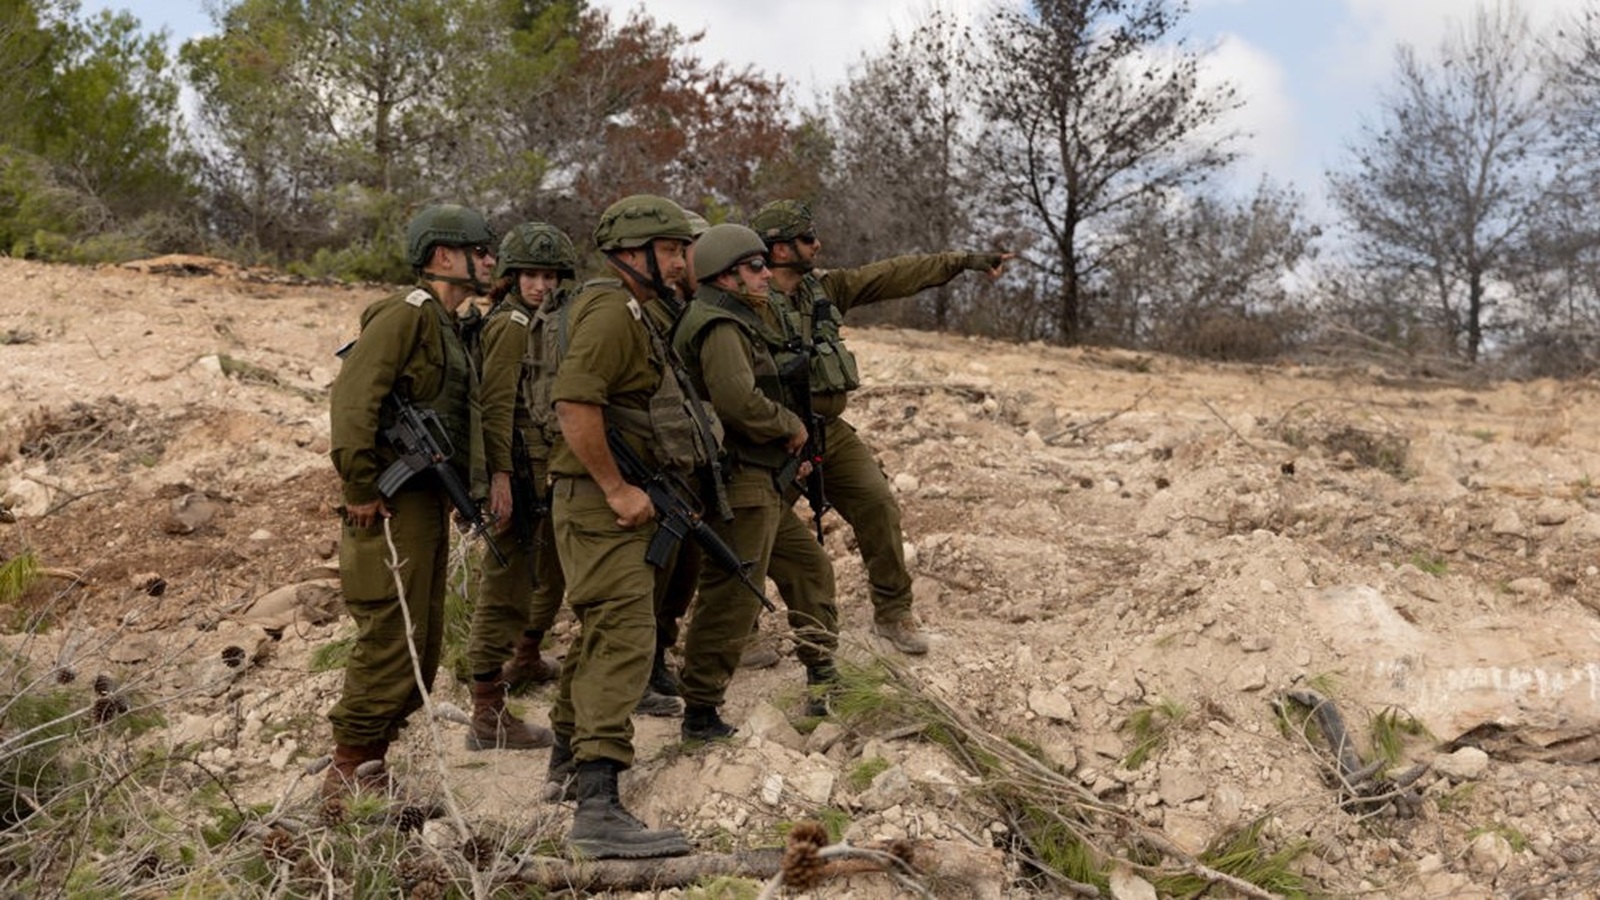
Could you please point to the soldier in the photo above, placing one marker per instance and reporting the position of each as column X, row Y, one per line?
column 503, row 644
column 408, row 348
column 612, row 377
column 854, row 481
column 733, row 342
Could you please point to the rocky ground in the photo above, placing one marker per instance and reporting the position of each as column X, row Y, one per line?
column 1114, row 552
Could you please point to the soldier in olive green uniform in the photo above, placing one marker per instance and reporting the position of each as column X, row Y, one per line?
column 503, row 646
column 409, row 347
column 730, row 340
column 854, row 481
column 611, row 376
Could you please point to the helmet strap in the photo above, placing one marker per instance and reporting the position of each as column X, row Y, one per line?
column 654, row 281
column 797, row 264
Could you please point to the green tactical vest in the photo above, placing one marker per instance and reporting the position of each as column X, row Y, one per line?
column 547, row 341
column 677, row 436
column 781, row 352
column 833, row 366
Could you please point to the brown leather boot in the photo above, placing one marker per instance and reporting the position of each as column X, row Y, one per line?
column 526, row 667
column 342, row 776
column 495, row 728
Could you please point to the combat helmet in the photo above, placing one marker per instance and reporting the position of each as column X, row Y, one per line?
column 639, row 219
column 536, row 245
column 448, row 224
column 724, row 246
column 782, row 220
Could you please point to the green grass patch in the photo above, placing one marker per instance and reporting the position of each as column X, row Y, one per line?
column 1431, row 563
column 332, row 655
column 1390, row 730
column 1149, row 726
column 860, row 777
column 1243, row 854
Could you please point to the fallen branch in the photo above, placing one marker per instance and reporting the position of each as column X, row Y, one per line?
column 1363, row 786
column 945, row 861
column 1083, row 430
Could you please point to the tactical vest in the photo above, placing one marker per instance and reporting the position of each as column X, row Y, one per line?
column 453, row 401
column 680, row 434
column 833, row 366
column 547, row 341
column 781, row 353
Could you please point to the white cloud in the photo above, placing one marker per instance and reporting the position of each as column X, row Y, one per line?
column 1269, row 119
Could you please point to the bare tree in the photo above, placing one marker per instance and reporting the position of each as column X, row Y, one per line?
column 1445, row 190
column 901, row 126
column 1089, row 106
column 1209, row 277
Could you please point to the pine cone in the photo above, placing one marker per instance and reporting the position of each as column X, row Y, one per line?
column 103, row 684
column 65, row 675
column 278, row 845
column 479, row 851
column 107, row 708
column 411, row 818
column 333, row 811
column 233, row 657
column 802, row 867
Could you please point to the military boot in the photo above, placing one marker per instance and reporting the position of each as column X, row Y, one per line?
column 603, row 829
column 560, row 780
column 662, row 679
column 526, row 667
column 822, row 682
column 495, row 728
column 356, row 768
column 903, row 633
column 702, row 723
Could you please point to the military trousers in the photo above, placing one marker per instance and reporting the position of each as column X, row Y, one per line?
column 611, row 590
column 524, row 594
column 858, row 490
column 380, row 687
column 804, row 575
column 725, row 610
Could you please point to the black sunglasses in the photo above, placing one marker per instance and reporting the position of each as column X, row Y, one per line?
column 809, row 237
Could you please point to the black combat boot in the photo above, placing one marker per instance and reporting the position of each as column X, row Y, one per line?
column 662, row 681
column 560, row 780
column 603, row 829
column 822, row 681
column 701, row 723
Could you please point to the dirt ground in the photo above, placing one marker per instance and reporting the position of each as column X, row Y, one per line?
column 1100, row 540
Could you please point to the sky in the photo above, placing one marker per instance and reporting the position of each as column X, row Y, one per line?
column 1310, row 72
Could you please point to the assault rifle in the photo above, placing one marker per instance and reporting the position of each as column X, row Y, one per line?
column 677, row 517
column 423, row 445
column 526, row 508
column 799, row 383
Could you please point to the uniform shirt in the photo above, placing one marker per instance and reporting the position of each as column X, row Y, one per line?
column 504, row 341
column 401, row 345
column 607, row 360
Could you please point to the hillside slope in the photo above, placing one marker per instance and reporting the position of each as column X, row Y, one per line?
column 1111, row 550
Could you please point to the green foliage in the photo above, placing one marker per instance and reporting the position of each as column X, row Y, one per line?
column 18, row 574
column 332, row 655
column 1064, row 850
column 1243, row 854
column 1512, row 835
column 1150, row 724
column 1456, row 798
column 34, row 771
column 860, row 777
column 723, row 887
column 1390, row 728
column 1431, row 563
